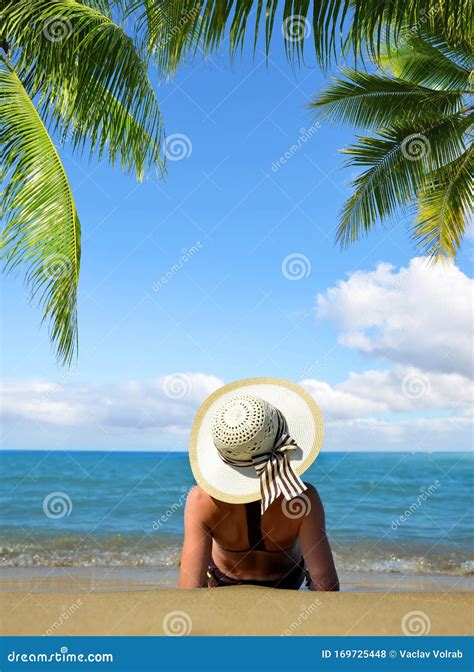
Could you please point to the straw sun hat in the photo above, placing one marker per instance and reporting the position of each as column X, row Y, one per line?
column 252, row 440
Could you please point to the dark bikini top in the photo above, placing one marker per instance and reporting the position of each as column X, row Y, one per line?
column 254, row 531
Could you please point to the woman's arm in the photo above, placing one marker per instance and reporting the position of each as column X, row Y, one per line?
column 197, row 545
column 315, row 545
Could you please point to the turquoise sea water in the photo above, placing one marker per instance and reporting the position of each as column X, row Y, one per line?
column 391, row 512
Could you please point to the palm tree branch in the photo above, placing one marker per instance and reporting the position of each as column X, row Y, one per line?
column 42, row 229
column 429, row 60
column 363, row 99
column 72, row 69
column 370, row 23
column 445, row 203
column 398, row 161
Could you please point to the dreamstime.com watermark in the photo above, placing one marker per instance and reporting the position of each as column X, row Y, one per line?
column 415, row 624
column 413, row 30
column 177, row 386
column 296, row 266
column 177, row 624
column 186, row 255
column 64, row 616
column 305, row 135
column 415, row 385
column 424, row 495
column 415, row 147
column 175, row 506
column 296, row 28
column 177, row 146
column 57, row 505
column 298, row 507
column 57, row 387
column 304, row 614
column 61, row 656
column 186, row 17
column 57, row 28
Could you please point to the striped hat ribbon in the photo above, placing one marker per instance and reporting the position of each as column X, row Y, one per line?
column 274, row 469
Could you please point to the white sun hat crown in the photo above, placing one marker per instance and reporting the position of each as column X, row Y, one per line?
column 245, row 426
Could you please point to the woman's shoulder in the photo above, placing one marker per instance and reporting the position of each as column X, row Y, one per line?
column 311, row 495
column 199, row 499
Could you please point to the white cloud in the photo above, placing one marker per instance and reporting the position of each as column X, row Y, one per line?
column 420, row 316
column 371, row 410
column 452, row 433
column 168, row 403
column 397, row 390
column 417, row 318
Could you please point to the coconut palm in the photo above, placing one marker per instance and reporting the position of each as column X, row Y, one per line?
column 67, row 71
column 419, row 155
column 331, row 26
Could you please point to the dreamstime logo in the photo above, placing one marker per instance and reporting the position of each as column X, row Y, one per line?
column 415, row 386
column 305, row 135
column 425, row 493
column 57, row 505
column 177, row 386
column 54, row 388
column 296, row 28
column 186, row 255
column 57, row 265
column 415, row 624
column 303, row 615
column 176, row 506
column 296, row 266
column 177, row 147
column 57, row 28
column 177, row 624
column 311, row 370
column 65, row 614
column 415, row 147
column 414, row 29
column 298, row 507
column 185, row 18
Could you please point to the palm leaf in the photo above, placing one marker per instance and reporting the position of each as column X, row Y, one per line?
column 398, row 162
column 371, row 21
column 429, row 60
column 91, row 81
column 444, row 208
column 167, row 32
column 364, row 99
column 42, row 230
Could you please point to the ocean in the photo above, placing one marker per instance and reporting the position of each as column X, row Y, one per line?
column 391, row 517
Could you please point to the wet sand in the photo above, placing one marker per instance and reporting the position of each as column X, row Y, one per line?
column 130, row 579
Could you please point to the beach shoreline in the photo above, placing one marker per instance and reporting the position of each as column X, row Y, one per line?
column 69, row 580
column 240, row 610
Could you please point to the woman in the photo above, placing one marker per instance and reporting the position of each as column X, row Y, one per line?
column 251, row 519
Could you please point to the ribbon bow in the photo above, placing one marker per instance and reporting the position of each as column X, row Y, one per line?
column 274, row 469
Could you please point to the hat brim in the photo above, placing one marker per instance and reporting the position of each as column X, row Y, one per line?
column 239, row 486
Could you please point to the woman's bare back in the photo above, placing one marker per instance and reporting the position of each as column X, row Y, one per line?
column 219, row 532
column 235, row 553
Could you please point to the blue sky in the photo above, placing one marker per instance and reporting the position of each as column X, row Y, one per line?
column 230, row 312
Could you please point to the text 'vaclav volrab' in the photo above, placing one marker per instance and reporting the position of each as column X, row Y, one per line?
column 434, row 653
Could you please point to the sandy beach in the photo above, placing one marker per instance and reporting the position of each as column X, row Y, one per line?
column 234, row 611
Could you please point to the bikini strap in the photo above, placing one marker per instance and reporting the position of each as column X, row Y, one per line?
column 254, row 531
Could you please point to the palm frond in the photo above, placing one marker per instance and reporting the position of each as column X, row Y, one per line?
column 168, row 33
column 428, row 60
column 42, row 230
column 364, row 99
column 398, row 163
column 445, row 204
column 90, row 80
column 371, row 22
